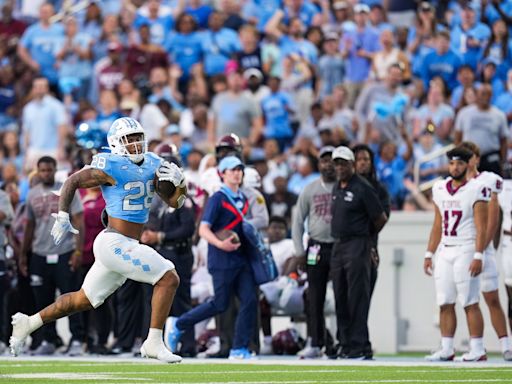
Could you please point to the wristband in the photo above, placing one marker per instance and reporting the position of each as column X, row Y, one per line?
column 428, row 255
column 478, row 256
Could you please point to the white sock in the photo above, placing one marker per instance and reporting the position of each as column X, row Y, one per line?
column 505, row 343
column 447, row 344
column 35, row 322
column 267, row 339
column 155, row 336
column 476, row 344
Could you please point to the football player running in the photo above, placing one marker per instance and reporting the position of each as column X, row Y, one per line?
column 126, row 177
column 489, row 283
column 459, row 230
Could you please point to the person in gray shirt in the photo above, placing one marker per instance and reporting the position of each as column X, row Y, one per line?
column 486, row 125
column 52, row 266
column 314, row 205
column 235, row 113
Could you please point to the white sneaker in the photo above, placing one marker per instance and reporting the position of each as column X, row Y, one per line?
column 310, row 353
column 163, row 354
column 507, row 355
column 441, row 355
column 474, row 356
column 20, row 332
column 266, row 349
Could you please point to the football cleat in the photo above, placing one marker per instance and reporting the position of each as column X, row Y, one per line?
column 162, row 353
column 20, row 331
column 174, row 335
column 473, row 356
column 441, row 355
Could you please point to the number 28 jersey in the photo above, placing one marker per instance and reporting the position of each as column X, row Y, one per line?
column 130, row 197
column 456, row 207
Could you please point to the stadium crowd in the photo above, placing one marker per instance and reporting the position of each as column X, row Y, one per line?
column 275, row 80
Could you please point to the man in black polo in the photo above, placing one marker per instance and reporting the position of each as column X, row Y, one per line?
column 355, row 205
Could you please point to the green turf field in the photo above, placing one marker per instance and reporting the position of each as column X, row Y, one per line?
column 55, row 371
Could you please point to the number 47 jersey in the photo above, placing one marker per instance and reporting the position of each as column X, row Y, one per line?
column 130, row 198
column 456, row 207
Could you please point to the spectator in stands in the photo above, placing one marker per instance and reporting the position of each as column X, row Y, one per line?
column 199, row 11
column 108, row 109
column 381, row 106
column 256, row 89
column 357, row 48
column 486, row 125
column 44, row 124
column 443, row 62
column 314, row 205
column 391, row 167
column 142, row 57
column 426, row 144
column 109, row 33
column 109, row 71
column 378, row 18
column 11, row 29
column 334, row 121
column 277, row 108
column 435, row 111
column 420, row 38
column 387, row 56
column 11, row 150
column 311, row 129
column 306, row 172
column 276, row 164
column 218, row 44
column 52, row 266
column 38, row 44
column 465, row 79
column 504, row 101
column 331, row 66
column 468, row 38
column 303, row 10
column 339, row 19
column 246, row 122
column 499, row 48
column 490, row 77
column 282, row 201
column 250, row 54
column 92, row 21
column 468, row 98
column 163, row 85
column 184, row 47
column 73, row 60
column 8, row 98
column 159, row 22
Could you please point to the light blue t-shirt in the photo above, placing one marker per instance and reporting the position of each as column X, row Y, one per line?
column 306, row 13
column 130, row 198
column 277, row 119
column 358, row 68
column 42, row 45
column 218, row 48
column 41, row 120
column 72, row 65
column 459, row 37
column 184, row 50
column 445, row 66
column 159, row 28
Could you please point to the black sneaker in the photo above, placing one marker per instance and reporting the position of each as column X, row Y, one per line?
column 117, row 350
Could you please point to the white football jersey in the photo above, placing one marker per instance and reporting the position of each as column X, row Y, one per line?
column 491, row 180
column 456, row 207
column 505, row 200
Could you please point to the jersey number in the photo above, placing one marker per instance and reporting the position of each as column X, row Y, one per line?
column 98, row 162
column 446, row 222
column 143, row 189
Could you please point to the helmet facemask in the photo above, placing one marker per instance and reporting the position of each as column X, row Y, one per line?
column 119, row 139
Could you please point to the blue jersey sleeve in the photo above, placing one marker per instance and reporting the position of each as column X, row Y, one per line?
column 103, row 162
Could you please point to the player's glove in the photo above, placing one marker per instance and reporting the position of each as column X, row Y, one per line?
column 171, row 172
column 61, row 227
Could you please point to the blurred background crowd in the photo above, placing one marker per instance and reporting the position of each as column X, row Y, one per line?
column 288, row 77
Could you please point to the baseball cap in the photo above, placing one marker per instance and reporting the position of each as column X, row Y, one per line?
column 172, row 129
column 230, row 162
column 470, row 5
column 328, row 149
column 253, row 72
column 344, row 153
column 331, row 36
column 340, row 5
column 361, row 8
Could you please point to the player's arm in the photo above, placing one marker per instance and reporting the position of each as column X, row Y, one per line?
column 480, row 211
column 433, row 241
column 85, row 178
column 493, row 219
